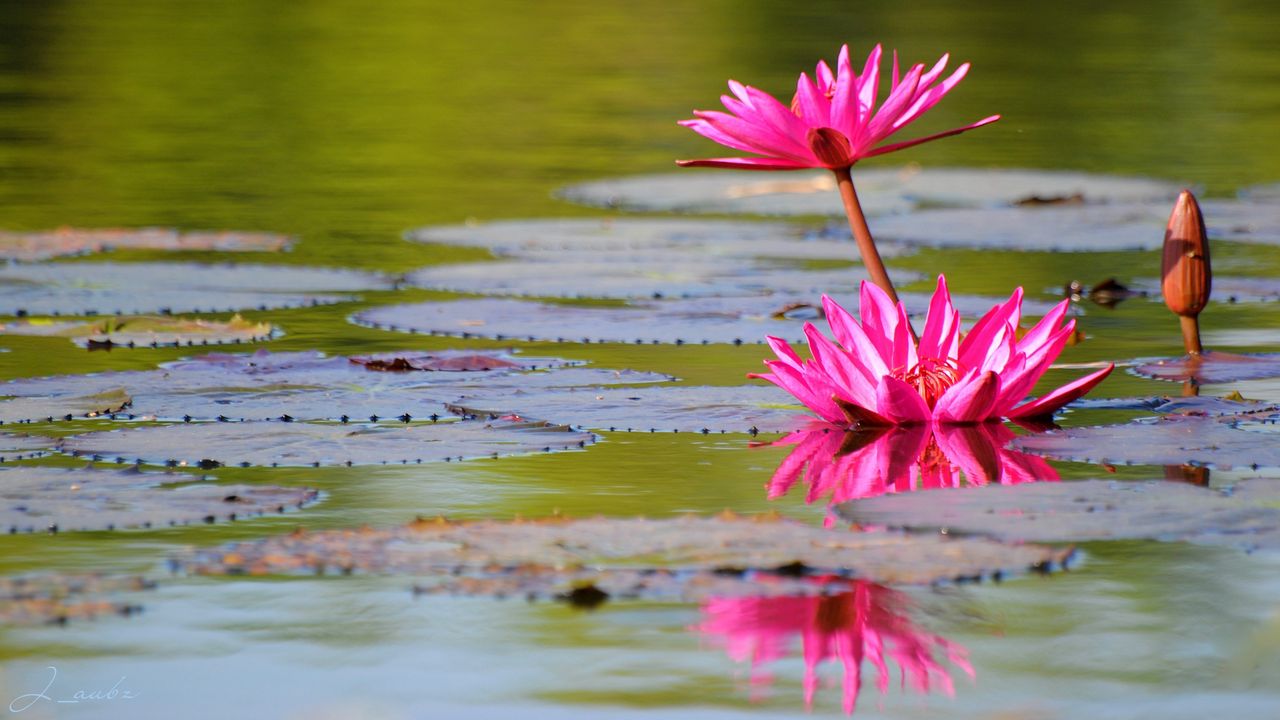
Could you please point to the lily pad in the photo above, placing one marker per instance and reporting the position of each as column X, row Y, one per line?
column 301, row 386
column 1246, row 515
column 1212, row 367
column 42, row 245
column 144, row 331
column 1246, row 440
column 58, row 599
column 699, row 321
column 754, row 408
column 727, row 544
column 23, row 446
column 881, row 190
column 45, row 499
column 1194, row 405
column 309, row 444
column 1075, row 228
column 112, row 288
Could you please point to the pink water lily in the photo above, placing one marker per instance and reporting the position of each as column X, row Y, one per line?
column 867, row 622
column 879, row 374
column 832, row 122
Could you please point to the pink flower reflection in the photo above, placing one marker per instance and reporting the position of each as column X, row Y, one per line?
column 865, row 623
column 843, row 465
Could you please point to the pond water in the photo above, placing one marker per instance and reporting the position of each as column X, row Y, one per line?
column 345, row 124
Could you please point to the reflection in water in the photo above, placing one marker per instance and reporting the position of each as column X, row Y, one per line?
column 845, row 465
column 865, row 623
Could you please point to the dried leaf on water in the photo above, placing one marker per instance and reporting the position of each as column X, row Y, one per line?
column 1246, row 515
column 311, row 444
column 464, row 556
column 144, row 331
column 46, row 499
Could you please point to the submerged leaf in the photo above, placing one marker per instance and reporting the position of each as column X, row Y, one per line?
column 1246, row 515
column 309, row 444
column 144, row 331
column 57, row 599
column 112, row 288
column 1213, row 367
column 556, row 550
column 45, row 499
column 42, row 245
column 882, row 191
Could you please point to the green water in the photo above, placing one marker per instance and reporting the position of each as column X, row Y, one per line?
column 346, row 123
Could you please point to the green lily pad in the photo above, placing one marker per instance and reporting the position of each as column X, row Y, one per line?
column 563, row 549
column 145, row 331
column 45, row 244
column 45, row 499
column 299, row 444
column 58, row 599
column 112, row 288
column 1246, row 515
column 881, row 190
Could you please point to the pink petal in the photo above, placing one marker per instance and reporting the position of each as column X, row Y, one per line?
column 940, row 324
column 747, row 163
column 815, row 108
column 798, row 385
column 974, row 347
column 973, row 449
column 1051, row 403
column 1043, row 330
column 851, row 378
column 930, row 97
column 854, row 339
column 900, row 402
column 969, row 400
column 844, row 116
column 936, row 136
column 879, row 318
column 868, row 86
column 765, row 139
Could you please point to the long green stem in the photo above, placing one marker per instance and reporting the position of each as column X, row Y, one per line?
column 862, row 233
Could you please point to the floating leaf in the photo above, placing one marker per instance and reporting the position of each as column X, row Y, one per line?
column 1246, row 515
column 301, row 386
column 1212, row 367
column 57, row 599
column 40, row 499
column 728, row 545
column 112, row 288
column 754, row 408
column 882, row 190
column 735, row 320
column 1074, row 228
column 42, row 245
column 144, row 331
column 1195, row 405
column 1241, row 440
column 19, row 447
column 307, row 444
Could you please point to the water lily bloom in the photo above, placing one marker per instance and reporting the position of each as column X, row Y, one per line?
column 840, row 466
column 866, row 622
column 879, row 374
column 832, row 122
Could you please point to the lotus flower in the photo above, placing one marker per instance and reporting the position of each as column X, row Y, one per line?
column 832, row 122
column 842, row 466
column 864, row 623
column 880, row 375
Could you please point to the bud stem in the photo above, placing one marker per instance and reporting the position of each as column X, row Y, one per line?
column 1191, row 334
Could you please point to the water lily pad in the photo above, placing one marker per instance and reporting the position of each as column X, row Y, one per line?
column 882, row 190
column 753, row 408
column 1194, row 405
column 144, row 331
column 1074, row 228
column 112, row 288
column 1268, row 193
column 58, row 599
column 301, row 386
column 1225, row 289
column 1212, row 367
column 1246, row 515
column 42, row 245
column 45, row 499
column 309, row 444
column 1242, row 441
column 735, row 320
column 15, row 446
column 728, row 545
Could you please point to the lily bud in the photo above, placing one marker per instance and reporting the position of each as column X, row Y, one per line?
column 1186, row 277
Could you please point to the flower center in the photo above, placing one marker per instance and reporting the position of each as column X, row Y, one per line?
column 930, row 377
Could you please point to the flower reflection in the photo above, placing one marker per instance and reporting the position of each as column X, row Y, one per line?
column 865, row 623
column 847, row 465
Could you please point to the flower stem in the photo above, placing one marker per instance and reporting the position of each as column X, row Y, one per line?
column 1191, row 334
column 862, row 233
